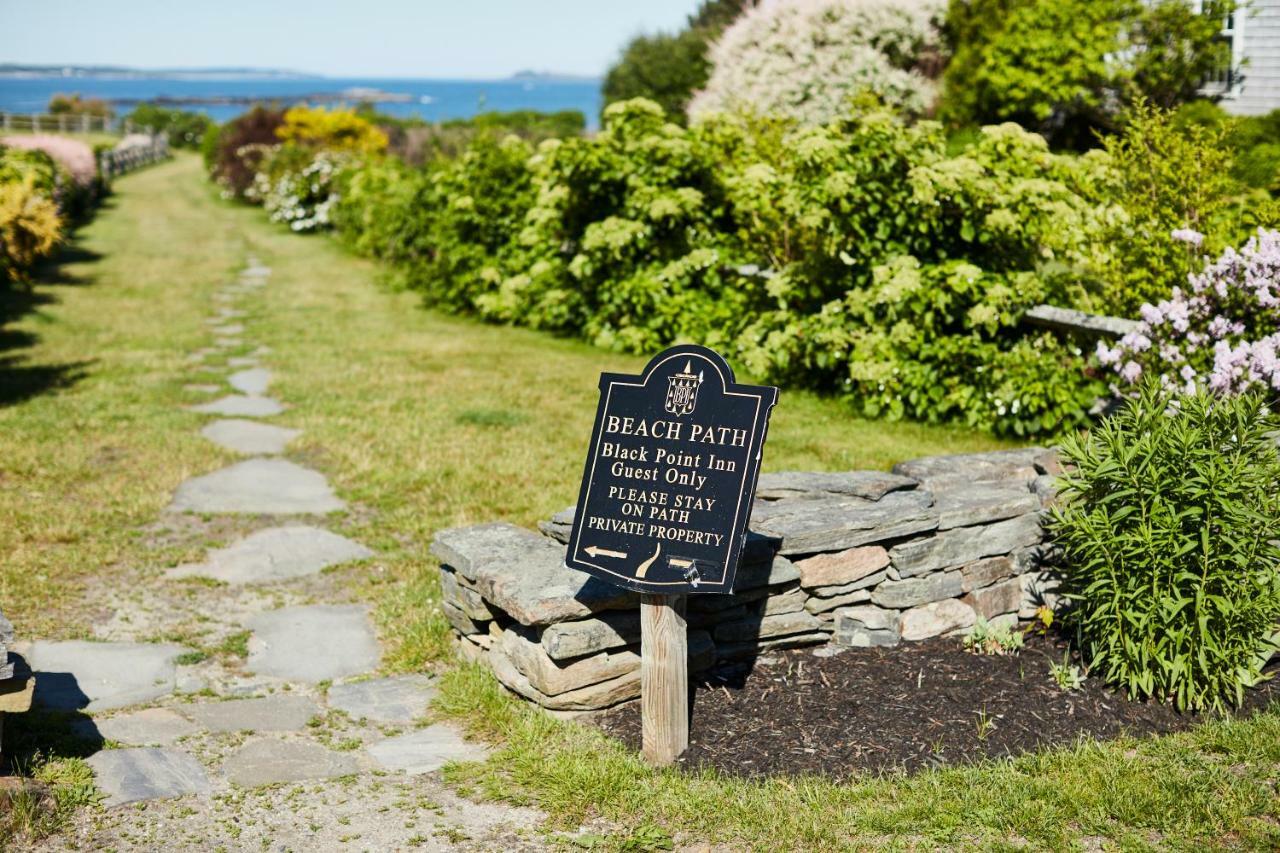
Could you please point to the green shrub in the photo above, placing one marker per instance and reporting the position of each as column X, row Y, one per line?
column 416, row 142
column 1164, row 177
column 856, row 257
column 186, row 129
column 73, row 104
column 382, row 209
column 1170, row 564
column 1068, row 68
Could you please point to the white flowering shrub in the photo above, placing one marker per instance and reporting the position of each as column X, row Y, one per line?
column 806, row 59
column 1223, row 334
column 299, row 195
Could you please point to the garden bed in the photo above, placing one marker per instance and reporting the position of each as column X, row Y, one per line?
column 916, row 706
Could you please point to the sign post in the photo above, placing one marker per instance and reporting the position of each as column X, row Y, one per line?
column 663, row 508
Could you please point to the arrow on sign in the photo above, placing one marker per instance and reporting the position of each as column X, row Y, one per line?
column 605, row 552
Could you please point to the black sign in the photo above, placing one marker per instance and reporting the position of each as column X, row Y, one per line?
column 670, row 475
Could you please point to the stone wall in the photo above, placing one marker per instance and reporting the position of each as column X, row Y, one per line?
column 861, row 558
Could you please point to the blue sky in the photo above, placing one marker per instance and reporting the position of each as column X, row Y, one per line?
column 376, row 38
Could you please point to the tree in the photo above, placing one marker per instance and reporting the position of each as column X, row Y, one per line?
column 669, row 67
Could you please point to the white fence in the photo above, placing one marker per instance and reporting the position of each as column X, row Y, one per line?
column 65, row 123
column 128, row 157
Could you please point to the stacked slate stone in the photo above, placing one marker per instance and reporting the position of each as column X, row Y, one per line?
column 6, row 642
column 859, row 558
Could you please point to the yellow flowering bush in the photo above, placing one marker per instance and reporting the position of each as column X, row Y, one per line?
column 29, row 226
column 335, row 130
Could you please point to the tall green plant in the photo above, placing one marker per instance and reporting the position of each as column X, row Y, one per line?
column 1168, row 527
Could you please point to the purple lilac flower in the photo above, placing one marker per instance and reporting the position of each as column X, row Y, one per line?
column 1223, row 332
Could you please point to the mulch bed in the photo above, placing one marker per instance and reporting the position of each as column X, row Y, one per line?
column 916, row 706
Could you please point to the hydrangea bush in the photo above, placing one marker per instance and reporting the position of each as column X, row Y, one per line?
column 806, row 59
column 300, row 197
column 1221, row 333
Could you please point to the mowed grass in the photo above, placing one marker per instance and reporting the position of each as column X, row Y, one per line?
column 424, row 421
column 421, row 420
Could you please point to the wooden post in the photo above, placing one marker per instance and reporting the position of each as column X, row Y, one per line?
column 664, row 678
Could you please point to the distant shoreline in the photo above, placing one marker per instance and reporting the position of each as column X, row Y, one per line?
column 15, row 71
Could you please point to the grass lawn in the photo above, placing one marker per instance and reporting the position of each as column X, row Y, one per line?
column 424, row 421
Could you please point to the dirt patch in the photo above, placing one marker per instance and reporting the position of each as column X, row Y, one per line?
column 916, row 706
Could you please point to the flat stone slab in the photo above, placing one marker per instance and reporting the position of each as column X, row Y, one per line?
column 250, row 436
column 425, row 750
column 400, row 699
column 315, row 643
column 869, row 485
column 243, row 361
column 130, row 775
column 272, row 486
column 229, row 329
column 241, row 406
column 266, row 761
column 524, row 574
column 267, row 714
column 253, row 381
column 275, row 554
column 76, row 674
column 812, row 525
column 149, row 727
column 202, row 388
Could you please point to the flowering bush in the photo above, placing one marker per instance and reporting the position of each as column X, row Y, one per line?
column 1220, row 334
column 806, row 59
column 29, row 225
column 74, row 156
column 332, row 130
column 232, row 152
column 297, row 187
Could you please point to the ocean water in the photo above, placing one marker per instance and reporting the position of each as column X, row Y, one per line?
column 433, row 100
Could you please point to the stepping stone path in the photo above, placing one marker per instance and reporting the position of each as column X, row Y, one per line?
column 268, row 714
column 425, row 750
column 238, row 405
column 301, row 729
column 148, row 727
column 402, row 699
column 253, row 382
column 267, row 486
column 266, row 762
column 79, row 675
column 275, row 554
column 316, row 643
column 250, row 437
column 129, row 775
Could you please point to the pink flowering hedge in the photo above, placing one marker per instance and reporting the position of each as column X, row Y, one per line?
column 1221, row 333
column 72, row 154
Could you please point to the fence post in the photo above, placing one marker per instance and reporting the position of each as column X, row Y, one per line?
column 8, row 122
column 35, row 123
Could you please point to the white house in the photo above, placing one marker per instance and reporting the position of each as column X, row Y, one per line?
column 1252, row 85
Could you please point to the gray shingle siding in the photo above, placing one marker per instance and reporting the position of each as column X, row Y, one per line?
column 1260, row 90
